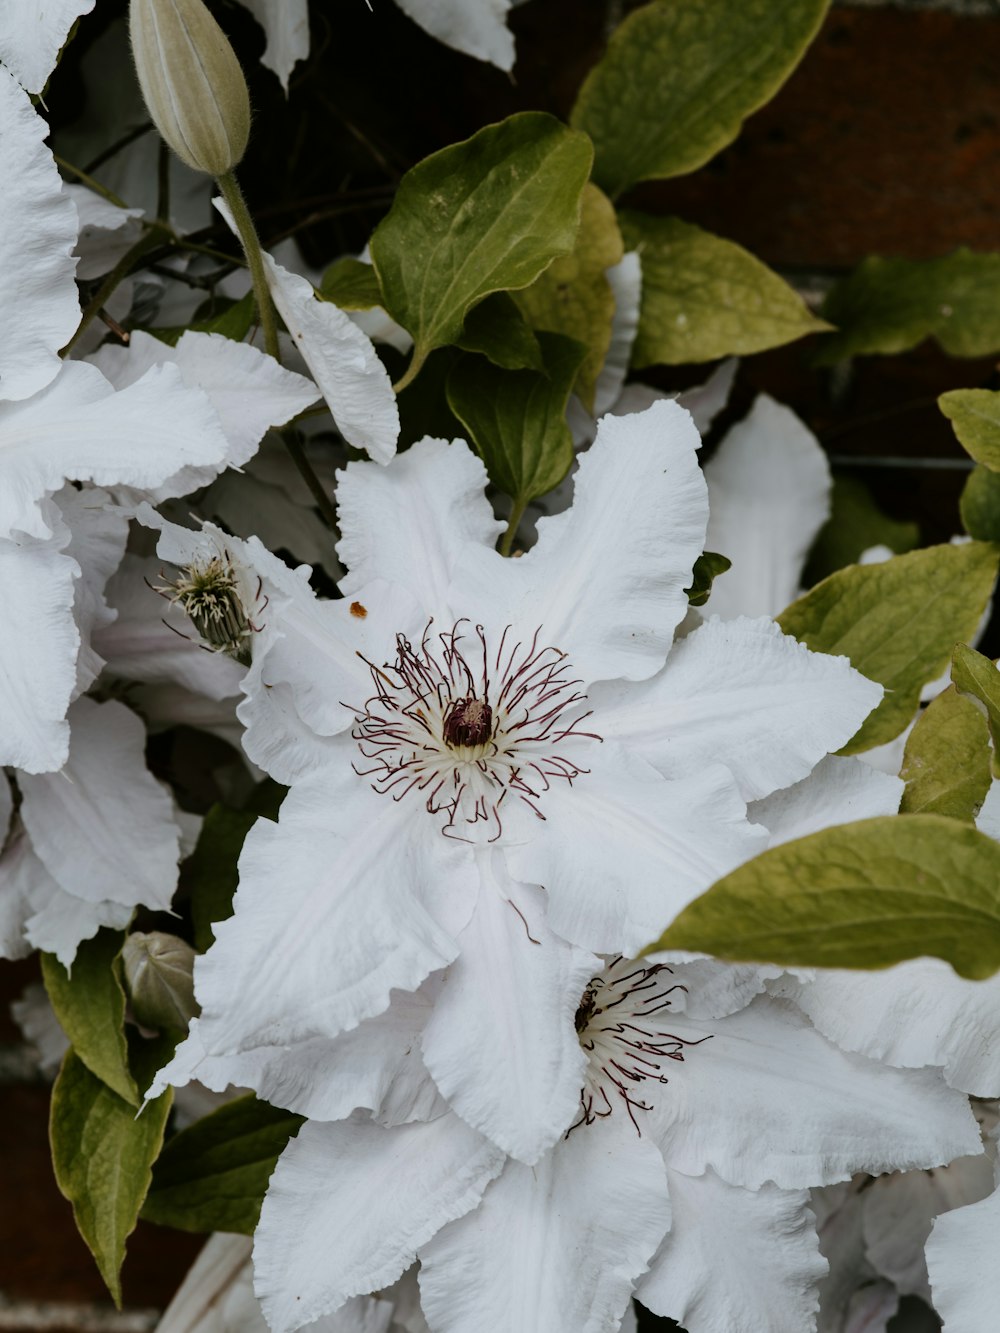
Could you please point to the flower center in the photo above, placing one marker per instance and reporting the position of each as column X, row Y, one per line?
column 465, row 724
column 620, row 1023
column 208, row 593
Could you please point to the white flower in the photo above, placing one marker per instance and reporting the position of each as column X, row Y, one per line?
column 962, row 1263
column 455, row 737
column 107, row 231
column 31, row 37
column 701, row 1096
column 88, row 844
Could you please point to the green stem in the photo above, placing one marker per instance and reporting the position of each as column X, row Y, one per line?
column 410, row 373
column 149, row 241
column 323, row 502
column 516, row 514
column 250, row 241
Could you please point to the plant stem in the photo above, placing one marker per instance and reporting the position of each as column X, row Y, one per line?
column 323, row 502
column 250, row 241
column 89, row 181
column 152, row 238
column 410, row 373
column 516, row 514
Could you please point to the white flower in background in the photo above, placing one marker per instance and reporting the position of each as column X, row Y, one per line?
column 87, row 845
column 454, row 739
column 107, row 231
column 475, row 27
column 705, row 1111
column 962, row 1262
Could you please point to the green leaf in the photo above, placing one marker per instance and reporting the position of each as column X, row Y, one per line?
column 979, row 504
column 233, row 320
column 210, row 871
column 497, row 328
column 855, row 524
column 975, row 418
column 890, row 305
column 898, row 622
column 863, row 895
column 481, row 216
column 89, row 1001
column 212, row 1176
column 517, row 418
column 704, row 297
column 946, row 766
column 351, row 284
column 978, row 679
column 679, row 78
column 573, row 295
column 103, row 1154
column 707, row 569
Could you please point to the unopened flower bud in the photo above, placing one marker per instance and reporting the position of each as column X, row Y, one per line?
column 159, row 978
column 191, row 81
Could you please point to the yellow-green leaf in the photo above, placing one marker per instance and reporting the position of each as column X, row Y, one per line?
column 975, row 418
column 679, row 78
column 898, row 622
column 89, row 1001
column 481, row 216
column 978, row 679
column 704, row 297
column 103, row 1155
column 979, row 504
column 573, row 295
column 946, row 765
column 862, row 895
column 351, row 284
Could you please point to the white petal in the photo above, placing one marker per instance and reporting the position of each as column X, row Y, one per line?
column 107, row 232
column 78, row 428
column 31, row 37
column 625, row 279
column 838, row 791
column 342, row 361
column 768, row 1099
column 713, row 989
column 963, row 1268
column 38, row 651
column 151, row 639
column 410, row 523
column 286, row 26
column 61, row 922
column 606, row 579
column 917, row 1013
column 768, row 496
column 770, row 1260
column 22, row 876
column 623, row 849
column 249, row 391
column 898, row 1211
column 375, row 1066
column 99, row 532
column 743, row 694
column 37, row 225
column 350, row 1204
column 706, row 401
column 501, row 1044
column 553, row 1248
column 475, row 27
column 103, row 826
column 358, row 914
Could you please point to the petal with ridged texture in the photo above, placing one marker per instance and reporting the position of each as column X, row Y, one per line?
column 553, row 1248
column 839, row 790
column 409, row 523
column 963, row 1268
column 767, row 1098
column 99, row 531
column 770, row 1260
column 103, row 826
column 623, row 849
column 768, row 496
column 475, row 27
column 286, row 27
column 350, row 1204
column 740, row 693
column 606, row 579
column 365, row 906
column 501, row 1044
column 31, row 37
column 38, row 226
column 78, row 428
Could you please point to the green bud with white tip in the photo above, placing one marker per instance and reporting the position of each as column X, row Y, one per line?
column 159, row 979
column 191, row 81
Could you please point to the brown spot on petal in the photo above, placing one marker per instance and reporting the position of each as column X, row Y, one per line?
column 358, row 610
